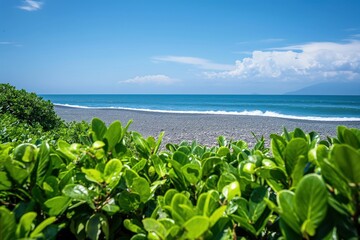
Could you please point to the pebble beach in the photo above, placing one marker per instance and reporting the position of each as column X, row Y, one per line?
column 203, row 128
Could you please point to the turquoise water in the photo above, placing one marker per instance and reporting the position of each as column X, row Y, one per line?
column 332, row 108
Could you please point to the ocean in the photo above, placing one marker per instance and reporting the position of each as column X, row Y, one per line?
column 322, row 108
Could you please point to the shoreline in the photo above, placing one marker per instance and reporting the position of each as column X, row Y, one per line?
column 204, row 128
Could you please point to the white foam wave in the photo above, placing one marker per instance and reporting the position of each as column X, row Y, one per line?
column 242, row 113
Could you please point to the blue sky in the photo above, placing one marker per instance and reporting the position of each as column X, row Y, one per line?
column 178, row 46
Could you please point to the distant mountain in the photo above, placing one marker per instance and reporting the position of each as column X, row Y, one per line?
column 331, row 88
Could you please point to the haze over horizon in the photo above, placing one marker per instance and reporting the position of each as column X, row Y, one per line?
column 159, row 46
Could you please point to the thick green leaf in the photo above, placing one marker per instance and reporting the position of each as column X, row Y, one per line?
column 347, row 159
column 25, row 224
column 217, row 214
column 93, row 175
column 139, row 165
column 151, row 225
column 286, row 202
column 244, row 223
column 311, row 202
column 169, row 196
column 231, row 190
column 128, row 202
column 57, row 205
column 158, row 143
column 111, row 208
column 93, row 227
column 181, row 158
column 41, row 227
column 112, row 172
column 257, row 204
column 133, row 225
column 192, row 172
column 77, row 192
column 44, row 166
column 99, row 129
column 289, row 232
column 298, row 171
column 295, row 148
column 64, row 149
column 278, row 145
column 25, row 152
column 113, row 135
column 16, row 172
column 208, row 202
column 298, row 133
column 5, row 183
column 141, row 145
column 223, row 151
column 196, row 226
column 225, row 179
column 335, row 178
column 141, row 186
column 178, row 213
column 129, row 176
column 159, row 165
column 98, row 144
column 7, row 224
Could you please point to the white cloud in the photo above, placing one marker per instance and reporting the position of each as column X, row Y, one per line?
column 152, row 79
column 31, row 5
column 306, row 62
column 11, row 44
column 198, row 62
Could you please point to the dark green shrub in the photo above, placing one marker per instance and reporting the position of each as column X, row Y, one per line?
column 28, row 107
column 17, row 131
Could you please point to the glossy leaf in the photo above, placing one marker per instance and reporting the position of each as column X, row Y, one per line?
column 5, row 183
column 112, row 172
column 113, row 135
column 286, row 201
column 25, row 224
column 295, row 148
column 257, row 204
column 57, row 205
column 25, row 152
column 278, row 145
column 347, row 160
column 192, row 172
column 40, row 228
column 231, row 190
column 7, row 224
column 77, row 192
column 99, row 129
column 311, row 201
column 44, row 166
column 151, row 225
column 133, row 226
column 93, row 175
column 141, row 186
column 196, row 226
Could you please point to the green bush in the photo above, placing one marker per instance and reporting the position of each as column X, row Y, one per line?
column 115, row 184
column 28, row 107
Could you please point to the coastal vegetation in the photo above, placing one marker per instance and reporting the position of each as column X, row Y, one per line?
column 91, row 181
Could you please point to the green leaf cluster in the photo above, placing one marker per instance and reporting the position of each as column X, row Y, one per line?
column 115, row 184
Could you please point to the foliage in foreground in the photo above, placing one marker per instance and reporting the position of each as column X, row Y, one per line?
column 115, row 184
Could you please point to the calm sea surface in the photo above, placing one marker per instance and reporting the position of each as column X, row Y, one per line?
column 332, row 108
